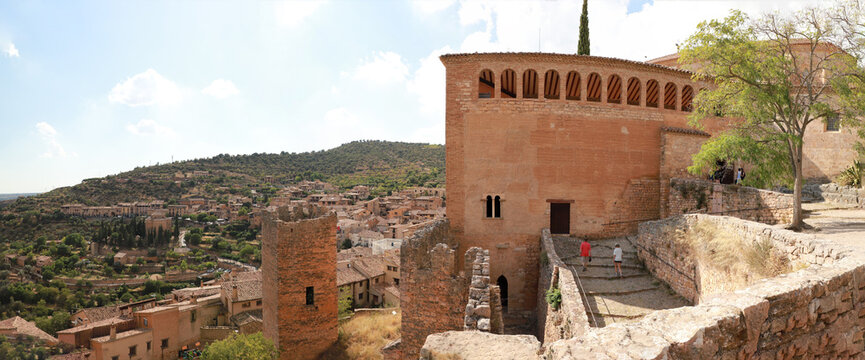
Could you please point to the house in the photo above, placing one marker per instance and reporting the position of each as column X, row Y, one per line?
column 14, row 327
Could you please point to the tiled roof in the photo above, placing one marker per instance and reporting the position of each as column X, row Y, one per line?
column 18, row 325
column 246, row 290
column 121, row 335
column 354, row 252
column 347, row 275
column 369, row 266
column 93, row 325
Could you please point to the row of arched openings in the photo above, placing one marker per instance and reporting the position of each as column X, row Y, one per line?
column 618, row 92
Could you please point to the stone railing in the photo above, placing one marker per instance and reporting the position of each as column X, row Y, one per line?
column 688, row 196
column 570, row 319
column 831, row 192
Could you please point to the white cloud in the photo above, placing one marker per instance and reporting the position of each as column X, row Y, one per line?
column 340, row 125
column 386, row 67
column 220, row 89
column 12, row 51
column 428, row 83
column 49, row 136
column 147, row 88
column 432, row 6
column 148, row 127
column 553, row 26
column 292, row 13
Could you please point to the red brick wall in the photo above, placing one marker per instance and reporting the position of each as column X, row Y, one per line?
column 295, row 255
column 605, row 157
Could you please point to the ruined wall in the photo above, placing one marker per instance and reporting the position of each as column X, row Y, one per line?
column 678, row 145
column 298, row 252
column 570, row 320
column 483, row 309
column 700, row 196
column 433, row 288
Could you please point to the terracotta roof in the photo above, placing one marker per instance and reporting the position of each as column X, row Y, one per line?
column 347, row 275
column 96, row 314
column 369, row 266
column 17, row 325
column 247, row 317
column 246, row 290
column 554, row 57
column 685, row 131
column 183, row 294
column 78, row 355
column 106, row 322
column 121, row 335
column 246, row 275
column 354, row 252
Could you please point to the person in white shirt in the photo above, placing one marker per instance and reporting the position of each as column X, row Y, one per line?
column 617, row 259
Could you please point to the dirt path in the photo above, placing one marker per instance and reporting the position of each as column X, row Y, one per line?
column 831, row 221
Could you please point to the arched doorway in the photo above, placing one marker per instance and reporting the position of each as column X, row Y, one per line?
column 502, row 282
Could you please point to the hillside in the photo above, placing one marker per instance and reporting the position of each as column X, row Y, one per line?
column 382, row 165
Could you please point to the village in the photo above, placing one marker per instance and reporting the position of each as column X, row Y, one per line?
column 223, row 291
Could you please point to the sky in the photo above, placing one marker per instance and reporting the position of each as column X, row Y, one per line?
column 93, row 88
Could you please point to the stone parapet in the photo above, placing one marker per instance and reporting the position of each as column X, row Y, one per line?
column 570, row 319
column 687, row 196
column 831, row 192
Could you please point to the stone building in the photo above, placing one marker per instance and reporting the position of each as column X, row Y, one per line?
column 299, row 281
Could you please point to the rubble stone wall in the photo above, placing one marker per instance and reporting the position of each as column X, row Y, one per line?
column 480, row 313
column 570, row 319
column 433, row 288
column 688, row 196
column 831, row 192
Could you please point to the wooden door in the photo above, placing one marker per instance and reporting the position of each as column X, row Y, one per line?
column 560, row 218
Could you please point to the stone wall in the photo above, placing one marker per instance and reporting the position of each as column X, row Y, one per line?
column 433, row 288
column 816, row 312
column 483, row 310
column 831, row 192
column 700, row 196
column 571, row 319
column 298, row 253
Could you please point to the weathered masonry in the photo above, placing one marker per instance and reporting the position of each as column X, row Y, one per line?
column 573, row 143
column 299, row 281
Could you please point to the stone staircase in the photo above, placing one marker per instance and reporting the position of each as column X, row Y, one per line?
column 609, row 298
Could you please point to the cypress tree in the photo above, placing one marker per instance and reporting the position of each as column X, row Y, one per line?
column 583, row 47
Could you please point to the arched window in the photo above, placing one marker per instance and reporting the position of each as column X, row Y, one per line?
column 614, row 89
column 670, row 96
column 509, row 84
column 634, row 91
column 551, row 84
column 573, row 86
column 502, row 282
column 593, row 87
column 497, row 207
column 489, row 204
column 486, row 84
column 652, row 93
column 530, row 84
column 687, row 98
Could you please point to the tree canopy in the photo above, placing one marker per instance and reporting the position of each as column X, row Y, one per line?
column 239, row 346
column 774, row 76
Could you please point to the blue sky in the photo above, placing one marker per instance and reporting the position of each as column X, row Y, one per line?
column 93, row 88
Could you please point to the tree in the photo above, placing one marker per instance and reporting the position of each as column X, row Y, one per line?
column 774, row 76
column 583, row 46
column 239, row 346
column 74, row 240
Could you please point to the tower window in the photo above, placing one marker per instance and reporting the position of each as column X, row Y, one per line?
column 310, row 295
column 833, row 123
column 493, row 206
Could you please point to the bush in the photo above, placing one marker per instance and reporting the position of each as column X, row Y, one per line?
column 554, row 297
column 852, row 176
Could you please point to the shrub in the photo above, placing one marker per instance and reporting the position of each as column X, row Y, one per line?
column 554, row 297
column 852, row 176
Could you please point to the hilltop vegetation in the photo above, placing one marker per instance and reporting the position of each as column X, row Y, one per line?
column 382, row 165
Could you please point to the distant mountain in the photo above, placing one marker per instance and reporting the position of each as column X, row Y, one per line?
column 382, row 165
column 4, row 197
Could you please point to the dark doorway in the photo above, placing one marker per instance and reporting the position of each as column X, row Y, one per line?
column 560, row 218
column 502, row 282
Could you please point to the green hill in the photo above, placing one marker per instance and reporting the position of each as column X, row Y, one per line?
column 382, row 165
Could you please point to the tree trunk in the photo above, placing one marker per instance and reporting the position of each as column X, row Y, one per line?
column 796, row 223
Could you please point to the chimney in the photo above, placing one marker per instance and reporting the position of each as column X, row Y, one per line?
column 113, row 332
column 234, row 292
column 193, row 300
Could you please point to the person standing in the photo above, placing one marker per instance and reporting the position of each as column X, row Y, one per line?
column 586, row 253
column 617, row 260
column 740, row 175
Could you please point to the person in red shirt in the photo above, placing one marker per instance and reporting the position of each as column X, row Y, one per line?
column 586, row 253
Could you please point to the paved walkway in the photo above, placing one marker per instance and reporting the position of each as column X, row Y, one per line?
column 846, row 225
column 610, row 299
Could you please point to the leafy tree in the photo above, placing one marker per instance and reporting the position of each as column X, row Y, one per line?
column 239, row 346
column 74, row 240
column 346, row 244
column 192, row 238
column 583, row 46
column 775, row 75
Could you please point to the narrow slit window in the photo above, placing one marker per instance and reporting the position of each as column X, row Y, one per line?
column 498, row 207
column 489, row 209
column 310, row 295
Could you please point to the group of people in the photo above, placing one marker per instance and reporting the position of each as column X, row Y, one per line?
column 586, row 255
column 725, row 174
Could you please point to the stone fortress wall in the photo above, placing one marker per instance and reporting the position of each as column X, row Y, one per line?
column 815, row 312
column 688, row 196
column 299, row 281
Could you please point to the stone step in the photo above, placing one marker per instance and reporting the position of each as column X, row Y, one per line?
column 619, row 286
column 603, row 264
column 635, row 304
